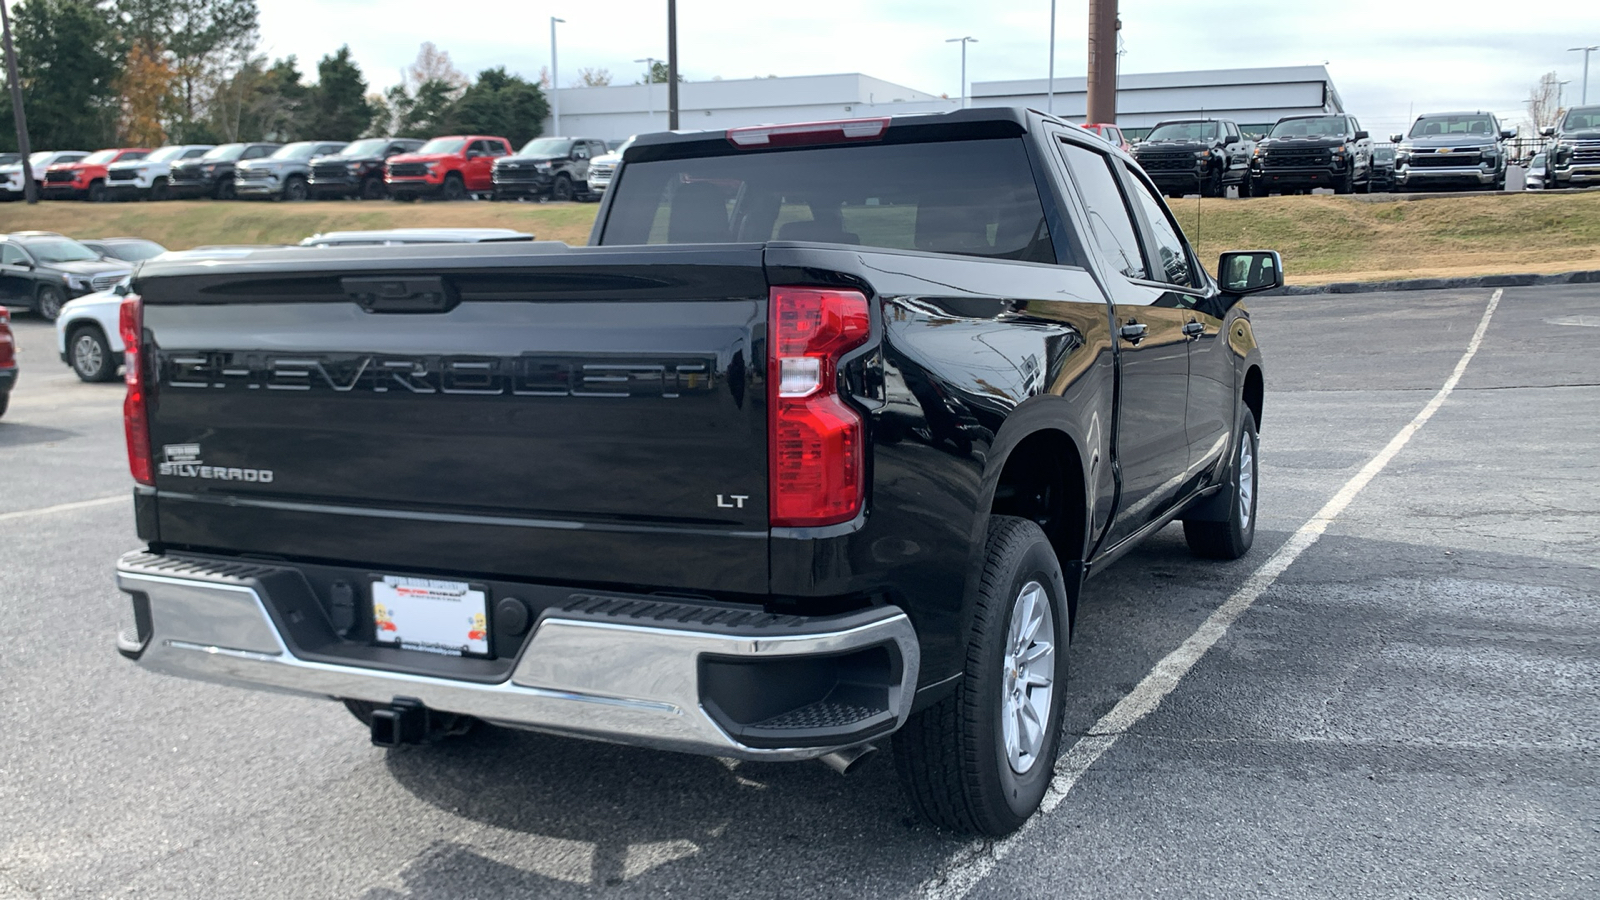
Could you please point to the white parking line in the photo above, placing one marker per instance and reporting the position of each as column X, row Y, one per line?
column 974, row 862
column 63, row 507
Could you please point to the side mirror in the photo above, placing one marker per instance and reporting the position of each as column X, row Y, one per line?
column 1396, row 138
column 1362, row 135
column 1508, row 133
column 1241, row 272
column 475, row 154
column 1548, row 131
column 123, row 288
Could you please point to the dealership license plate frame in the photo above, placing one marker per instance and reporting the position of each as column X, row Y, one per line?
column 413, row 613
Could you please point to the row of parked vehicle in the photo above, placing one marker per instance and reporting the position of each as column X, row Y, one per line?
column 452, row 167
column 1303, row 153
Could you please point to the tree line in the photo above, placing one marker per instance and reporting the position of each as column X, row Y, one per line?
column 104, row 73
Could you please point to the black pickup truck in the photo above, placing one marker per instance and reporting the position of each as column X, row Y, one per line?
column 1303, row 153
column 812, row 448
column 1196, row 156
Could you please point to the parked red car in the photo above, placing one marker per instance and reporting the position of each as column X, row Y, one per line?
column 1111, row 134
column 86, row 178
column 450, row 168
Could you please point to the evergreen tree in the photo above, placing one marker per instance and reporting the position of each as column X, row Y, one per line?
column 69, row 60
column 337, row 107
column 502, row 104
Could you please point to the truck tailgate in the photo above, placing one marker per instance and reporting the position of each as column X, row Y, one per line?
column 573, row 414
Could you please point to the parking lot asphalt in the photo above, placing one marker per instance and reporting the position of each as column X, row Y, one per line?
column 1411, row 709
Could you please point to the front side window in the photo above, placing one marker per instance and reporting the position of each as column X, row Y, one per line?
column 1169, row 256
column 972, row 198
column 1109, row 219
column 259, row 152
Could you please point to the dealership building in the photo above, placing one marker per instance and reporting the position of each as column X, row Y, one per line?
column 1255, row 98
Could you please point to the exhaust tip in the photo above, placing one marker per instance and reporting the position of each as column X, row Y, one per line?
column 849, row 759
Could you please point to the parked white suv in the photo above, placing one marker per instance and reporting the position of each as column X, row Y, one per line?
column 88, row 335
column 11, row 175
column 148, row 178
column 603, row 168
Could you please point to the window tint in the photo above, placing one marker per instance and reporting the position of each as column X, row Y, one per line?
column 1108, row 213
column 974, row 198
column 195, row 152
column 1169, row 256
column 597, row 148
column 497, row 148
column 580, row 151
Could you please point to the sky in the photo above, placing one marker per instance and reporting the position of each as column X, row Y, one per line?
column 1388, row 60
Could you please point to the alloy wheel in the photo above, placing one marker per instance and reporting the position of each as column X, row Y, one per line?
column 86, row 355
column 1029, row 680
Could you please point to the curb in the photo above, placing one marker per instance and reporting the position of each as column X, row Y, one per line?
column 1587, row 276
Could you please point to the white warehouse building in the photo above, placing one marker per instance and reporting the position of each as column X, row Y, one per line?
column 1254, row 98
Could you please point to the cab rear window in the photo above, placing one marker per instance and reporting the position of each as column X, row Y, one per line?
column 972, row 198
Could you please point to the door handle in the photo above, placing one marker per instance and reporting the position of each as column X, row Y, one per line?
column 1133, row 332
column 1194, row 329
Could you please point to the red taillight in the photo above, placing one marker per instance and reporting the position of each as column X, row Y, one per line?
column 816, row 468
column 135, row 406
column 8, row 344
column 836, row 132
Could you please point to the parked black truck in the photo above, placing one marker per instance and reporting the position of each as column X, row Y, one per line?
column 550, row 168
column 357, row 170
column 211, row 175
column 1303, row 153
column 1196, row 156
column 1573, row 159
column 813, row 447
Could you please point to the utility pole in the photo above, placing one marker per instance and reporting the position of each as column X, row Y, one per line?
column 1050, row 87
column 1103, row 26
column 672, row 65
column 650, row 86
column 963, row 41
column 29, row 189
column 1586, row 51
column 555, row 80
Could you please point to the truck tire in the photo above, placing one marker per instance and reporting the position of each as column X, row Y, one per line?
column 1224, row 526
column 224, row 189
column 561, row 191
column 454, row 188
column 5, row 401
column 372, row 189
column 1213, row 186
column 1347, row 184
column 49, row 302
column 981, row 759
column 296, row 189
column 158, row 189
column 97, row 191
column 90, row 356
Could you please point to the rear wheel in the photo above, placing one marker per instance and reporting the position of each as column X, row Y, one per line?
column 1224, row 527
column 454, row 188
column 5, row 400
column 90, row 356
column 981, row 759
column 50, row 302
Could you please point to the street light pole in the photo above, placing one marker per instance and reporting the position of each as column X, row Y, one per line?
column 1586, row 51
column 29, row 190
column 555, row 80
column 672, row 65
column 649, row 86
column 963, row 41
column 1050, row 89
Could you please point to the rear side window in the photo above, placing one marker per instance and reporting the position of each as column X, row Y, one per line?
column 1108, row 213
column 972, row 198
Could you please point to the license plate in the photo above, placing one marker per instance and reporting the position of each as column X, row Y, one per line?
column 444, row 617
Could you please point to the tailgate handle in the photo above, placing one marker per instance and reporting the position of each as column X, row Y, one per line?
column 380, row 294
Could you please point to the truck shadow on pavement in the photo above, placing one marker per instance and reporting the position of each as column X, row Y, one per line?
column 554, row 817
column 15, row 434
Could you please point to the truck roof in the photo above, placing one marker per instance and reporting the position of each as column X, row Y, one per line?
column 961, row 124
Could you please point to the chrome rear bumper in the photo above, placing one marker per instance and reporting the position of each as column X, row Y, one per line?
column 628, row 678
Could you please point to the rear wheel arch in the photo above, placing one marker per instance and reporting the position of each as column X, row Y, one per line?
column 1042, row 478
column 1254, row 391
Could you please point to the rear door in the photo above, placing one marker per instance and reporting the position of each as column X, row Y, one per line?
column 1153, row 365
column 582, row 416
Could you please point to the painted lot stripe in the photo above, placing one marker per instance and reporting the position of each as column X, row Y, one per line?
column 64, row 507
column 976, row 861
